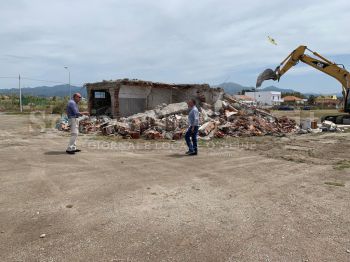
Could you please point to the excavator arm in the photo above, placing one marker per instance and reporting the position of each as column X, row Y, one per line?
column 318, row 62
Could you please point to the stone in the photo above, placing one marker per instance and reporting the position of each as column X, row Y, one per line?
column 218, row 105
column 206, row 128
column 171, row 123
column 135, row 124
column 219, row 134
column 168, row 135
column 206, row 106
column 225, row 104
column 143, row 116
column 178, row 135
column 230, row 115
column 176, row 108
column 134, row 134
column 152, row 134
column 108, row 130
column 237, row 106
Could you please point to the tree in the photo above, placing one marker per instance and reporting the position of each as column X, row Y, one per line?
column 311, row 100
column 246, row 90
column 296, row 94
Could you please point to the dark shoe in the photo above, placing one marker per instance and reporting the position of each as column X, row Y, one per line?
column 70, row 152
column 192, row 153
column 188, row 152
column 77, row 150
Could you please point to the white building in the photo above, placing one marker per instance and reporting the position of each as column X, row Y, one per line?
column 266, row 98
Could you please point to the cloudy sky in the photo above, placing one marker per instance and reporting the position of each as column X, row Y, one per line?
column 181, row 41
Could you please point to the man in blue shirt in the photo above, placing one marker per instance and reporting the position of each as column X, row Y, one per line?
column 73, row 121
column 192, row 131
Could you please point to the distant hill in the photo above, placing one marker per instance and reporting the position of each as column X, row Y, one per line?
column 63, row 90
column 46, row 91
column 234, row 88
column 274, row 88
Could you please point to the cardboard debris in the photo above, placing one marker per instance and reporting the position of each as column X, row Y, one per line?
column 226, row 117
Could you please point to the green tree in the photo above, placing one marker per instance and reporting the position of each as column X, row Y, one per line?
column 296, row 94
column 311, row 100
column 246, row 90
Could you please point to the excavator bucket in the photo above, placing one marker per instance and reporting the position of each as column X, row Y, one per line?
column 268, row 74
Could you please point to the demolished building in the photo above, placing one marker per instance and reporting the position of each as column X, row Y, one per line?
column 224, row 118
column 124, row 97
column 158, row 111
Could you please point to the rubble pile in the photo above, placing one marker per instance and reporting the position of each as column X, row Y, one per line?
column 325, row 126
column 227, row 117
column 62, row 124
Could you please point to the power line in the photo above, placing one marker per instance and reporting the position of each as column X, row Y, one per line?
column 40, row 80
column 34, row 79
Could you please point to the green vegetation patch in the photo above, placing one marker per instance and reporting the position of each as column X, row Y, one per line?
column 341, row 165
column 334, row 183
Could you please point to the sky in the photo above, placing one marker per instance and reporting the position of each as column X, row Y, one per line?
column 175, row 41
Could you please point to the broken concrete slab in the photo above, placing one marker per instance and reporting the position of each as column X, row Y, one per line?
column 143, row 116
column 206, row 128
column 218, row 105
column 230, row 115
column 176, row 108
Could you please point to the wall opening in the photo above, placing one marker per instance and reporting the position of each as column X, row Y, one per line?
column 101, row 103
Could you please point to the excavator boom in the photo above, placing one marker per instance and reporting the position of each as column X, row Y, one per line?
column 318, row 62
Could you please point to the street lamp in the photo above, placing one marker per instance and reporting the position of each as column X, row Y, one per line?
column 70, row 91
column 20, row 94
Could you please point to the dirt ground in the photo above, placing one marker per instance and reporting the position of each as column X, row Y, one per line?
column 253, row 199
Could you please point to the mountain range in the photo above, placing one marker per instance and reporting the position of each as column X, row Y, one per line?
column 46, row 91
column 234, row 88
column 63, row 90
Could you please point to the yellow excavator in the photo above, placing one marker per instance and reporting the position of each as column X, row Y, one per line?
column 320, row 63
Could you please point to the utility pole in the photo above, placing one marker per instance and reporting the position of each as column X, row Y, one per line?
column 20, row 93
column 70, row 90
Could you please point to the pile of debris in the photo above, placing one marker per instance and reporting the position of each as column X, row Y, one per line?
column 325, row 126
column 62, row 124
column 227, row 117
column 328, row 126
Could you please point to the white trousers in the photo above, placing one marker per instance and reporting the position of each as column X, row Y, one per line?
column 74, row 131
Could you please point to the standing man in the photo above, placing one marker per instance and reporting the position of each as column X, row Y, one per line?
column 192, row 131
column 73, row 115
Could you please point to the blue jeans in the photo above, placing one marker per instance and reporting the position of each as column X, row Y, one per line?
column 192, row 145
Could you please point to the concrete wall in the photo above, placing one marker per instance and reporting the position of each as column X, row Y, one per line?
column 126, row 91
column 159, row 96
column 199, row 93
column 132, row 99
column 128, row 97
